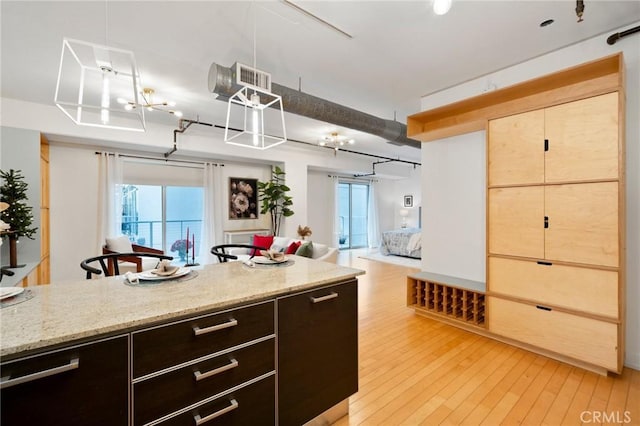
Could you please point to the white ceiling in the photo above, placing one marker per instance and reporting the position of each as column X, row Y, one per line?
column 399, row 51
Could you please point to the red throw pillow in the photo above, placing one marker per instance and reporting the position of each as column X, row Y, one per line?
column 293, row 247
column 262, row 241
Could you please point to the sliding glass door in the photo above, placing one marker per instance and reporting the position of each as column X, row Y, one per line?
column 353, row 200
column 159, row 216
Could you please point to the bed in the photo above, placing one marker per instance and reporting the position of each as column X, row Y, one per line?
column 402, row 242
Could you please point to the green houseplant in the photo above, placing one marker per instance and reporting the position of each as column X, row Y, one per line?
column 18, row 215
column 273, row 198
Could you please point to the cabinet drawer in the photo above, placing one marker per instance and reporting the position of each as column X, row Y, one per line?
column 169, row 392
column 83, row 385
column 173, row 344
column 251, row 405
column 585, row 339
column 589, row 290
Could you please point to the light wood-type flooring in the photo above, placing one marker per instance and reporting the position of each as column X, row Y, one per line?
column 414, row 370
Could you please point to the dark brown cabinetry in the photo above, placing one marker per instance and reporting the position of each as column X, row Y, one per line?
column 317, row 351
column 219, row 368
column 250, row 405
column 194, row 363
column 81, row 385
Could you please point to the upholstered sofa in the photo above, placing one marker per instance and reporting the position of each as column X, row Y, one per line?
column 313, row 250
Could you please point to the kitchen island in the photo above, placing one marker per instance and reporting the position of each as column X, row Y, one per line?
column 264, row 345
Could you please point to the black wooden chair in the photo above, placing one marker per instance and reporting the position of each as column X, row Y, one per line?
column 109, row 262
column 222, row 251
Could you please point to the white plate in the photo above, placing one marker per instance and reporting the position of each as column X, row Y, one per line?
column 7, row 292
column 150, row 276
column 261, row 260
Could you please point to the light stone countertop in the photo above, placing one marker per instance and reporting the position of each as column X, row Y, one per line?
column 68, row 311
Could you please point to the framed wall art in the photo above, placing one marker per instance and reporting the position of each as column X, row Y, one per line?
column 408, row 200
column 243, row 198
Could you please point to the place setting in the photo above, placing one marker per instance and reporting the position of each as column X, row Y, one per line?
column 10, row 296
column 269, row 259
column 164, row 272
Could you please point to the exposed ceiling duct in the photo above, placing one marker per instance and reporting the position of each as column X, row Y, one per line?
column 222, row 81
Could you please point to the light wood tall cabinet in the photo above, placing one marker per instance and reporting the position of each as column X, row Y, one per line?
column 45, row 263
column 555, row 206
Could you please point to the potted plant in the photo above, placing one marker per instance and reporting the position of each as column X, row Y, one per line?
column 182, row 247
column 274, row 199
column 18, row 214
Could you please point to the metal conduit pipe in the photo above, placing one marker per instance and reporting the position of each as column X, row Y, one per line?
column 613, row 38
column 222, row 82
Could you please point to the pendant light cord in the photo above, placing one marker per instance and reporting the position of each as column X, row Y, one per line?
column 106, row 23
column 255, row 62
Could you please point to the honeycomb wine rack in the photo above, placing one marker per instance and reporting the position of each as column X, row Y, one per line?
column 458, row 300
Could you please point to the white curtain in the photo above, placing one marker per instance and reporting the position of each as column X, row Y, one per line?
column 335, row 208
column 373, row 225
column 211, row 217
column 109, row 198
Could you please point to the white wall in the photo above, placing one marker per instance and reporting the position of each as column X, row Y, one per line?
column 20, row 150
column 454, row 187
column 585, row 51
column 410, row 186
column 73, row 203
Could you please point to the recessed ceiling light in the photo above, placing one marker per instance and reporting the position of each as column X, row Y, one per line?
column 546, row 23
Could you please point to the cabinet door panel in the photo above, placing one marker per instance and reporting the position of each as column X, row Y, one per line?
column 516, row 221
column 583, row 223
column 583, row 289
column 516, row 149
column 92, row 391
column 583, row 140
column 317, row 351
column 578, row 337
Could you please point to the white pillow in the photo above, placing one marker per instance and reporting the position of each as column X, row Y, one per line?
column 120, row 244
column 319, row 250
column 280, row 244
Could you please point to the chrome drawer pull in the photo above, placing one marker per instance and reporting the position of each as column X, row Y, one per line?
column 201, row 376
column 231, row 323
column 8, row 382
column 333, row 295
column 202, row 420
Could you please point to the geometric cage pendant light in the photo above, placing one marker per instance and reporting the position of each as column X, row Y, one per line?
column 91, row 78
column 254, row 104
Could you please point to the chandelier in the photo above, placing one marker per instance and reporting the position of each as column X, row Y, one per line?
column 90, row 77
column 256, row 103
column 335, row 141
column 148, row 103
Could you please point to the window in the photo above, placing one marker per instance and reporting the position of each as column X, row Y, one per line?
column 353, row 199
column 157, row 214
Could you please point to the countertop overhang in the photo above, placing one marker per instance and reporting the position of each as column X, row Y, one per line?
column 65, row 312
